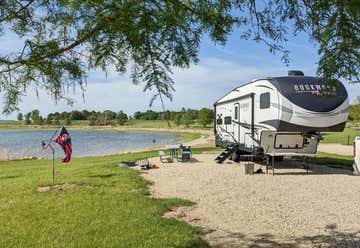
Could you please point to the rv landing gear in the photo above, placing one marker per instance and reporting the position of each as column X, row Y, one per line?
column 273, row 159
column 305, row 164
column 267, row 159
column 267, row 163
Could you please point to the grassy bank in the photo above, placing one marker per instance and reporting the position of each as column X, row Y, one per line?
column 186, row 137
column 110, row 206
column 345, row 138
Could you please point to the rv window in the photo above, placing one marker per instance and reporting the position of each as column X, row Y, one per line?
column 219, row 121
column 227, row 120
column 236, row 112
column 265, row 100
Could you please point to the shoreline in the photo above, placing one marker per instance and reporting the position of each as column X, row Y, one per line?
column 189, row 137
column 175, row 130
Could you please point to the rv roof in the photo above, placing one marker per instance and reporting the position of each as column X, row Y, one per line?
column 252, row 81
column 282, row 83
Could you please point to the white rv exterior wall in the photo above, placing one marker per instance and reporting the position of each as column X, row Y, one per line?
column 226, row 107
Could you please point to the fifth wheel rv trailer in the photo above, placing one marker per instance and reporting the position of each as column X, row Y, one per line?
column 278, row 116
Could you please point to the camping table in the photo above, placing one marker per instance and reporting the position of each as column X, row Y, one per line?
column 174, row 150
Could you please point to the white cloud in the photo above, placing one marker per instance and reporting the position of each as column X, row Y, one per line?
column 218, row 71
column 353, row 90
column 10, row 43
column 196, row 87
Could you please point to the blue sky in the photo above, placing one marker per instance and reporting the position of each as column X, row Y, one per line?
column 221, row 68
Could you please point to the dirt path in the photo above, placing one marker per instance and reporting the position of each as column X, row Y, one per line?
column 336, row 149
column 290, row 209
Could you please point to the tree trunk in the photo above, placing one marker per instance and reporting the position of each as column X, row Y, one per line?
column 163, row 107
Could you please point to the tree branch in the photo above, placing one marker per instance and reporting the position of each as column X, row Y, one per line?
column 53, row 54
column 148, row 45
column 56, row 53
column 18, row 11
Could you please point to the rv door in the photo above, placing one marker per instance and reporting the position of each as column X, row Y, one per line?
column 229, row 129
column 245, row 121
column 236, row 124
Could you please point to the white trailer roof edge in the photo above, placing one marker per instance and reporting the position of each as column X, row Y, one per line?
column 240, row 86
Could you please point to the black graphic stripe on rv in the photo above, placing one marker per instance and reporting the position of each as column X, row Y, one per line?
column 242, row 124
column 290, row 127
column 248, row 126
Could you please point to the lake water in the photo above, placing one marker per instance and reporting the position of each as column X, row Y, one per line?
column 24, row 143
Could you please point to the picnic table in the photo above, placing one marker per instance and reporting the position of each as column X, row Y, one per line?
column 174, row 150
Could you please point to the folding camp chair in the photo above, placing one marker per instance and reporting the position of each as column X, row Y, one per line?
column 164, row 159
column 185, row 154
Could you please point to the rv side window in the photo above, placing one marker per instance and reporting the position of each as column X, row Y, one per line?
column 265, row 100
column 219, row 121
column 236, row 112
column 227, row 120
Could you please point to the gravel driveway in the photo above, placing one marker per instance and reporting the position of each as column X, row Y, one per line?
column 290, row 209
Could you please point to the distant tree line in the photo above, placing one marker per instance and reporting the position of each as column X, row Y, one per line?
column 184, row 117
column 354, row 112
column 95, row 118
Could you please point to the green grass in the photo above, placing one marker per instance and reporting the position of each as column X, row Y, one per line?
column 330, row 159
column 183, row 136
column 334, row 159
column 341, row 138
column 111, row 210
column 149, row 124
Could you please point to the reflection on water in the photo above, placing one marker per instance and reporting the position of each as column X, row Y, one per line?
column 26, row 143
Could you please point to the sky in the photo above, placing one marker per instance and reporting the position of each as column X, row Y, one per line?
column 220, row 69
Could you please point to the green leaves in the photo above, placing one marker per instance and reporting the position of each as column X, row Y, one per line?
column 338, row 33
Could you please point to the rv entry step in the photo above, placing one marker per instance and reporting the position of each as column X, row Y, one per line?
column 227, row 153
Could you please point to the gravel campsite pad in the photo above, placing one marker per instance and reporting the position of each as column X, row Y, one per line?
column 291, row 209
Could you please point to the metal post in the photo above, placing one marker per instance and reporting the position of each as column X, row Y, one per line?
column 252, row 115
column 53, row 163
column 305, row 165
column 273, row 164
column 267, row 163
column 47, row 144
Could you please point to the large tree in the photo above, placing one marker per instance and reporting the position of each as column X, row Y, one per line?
column 205, row 116
column 62, row 39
